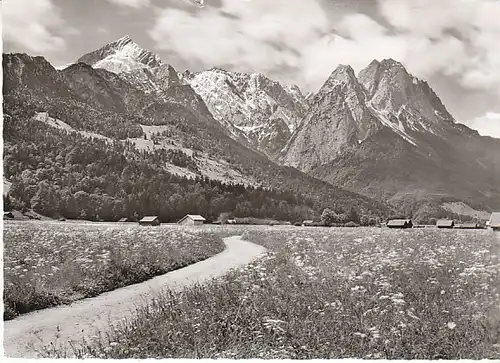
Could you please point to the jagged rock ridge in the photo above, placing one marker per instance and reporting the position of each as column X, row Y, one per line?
column 386, row 133
column 252, row 107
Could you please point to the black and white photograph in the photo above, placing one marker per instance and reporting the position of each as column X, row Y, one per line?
column 251, row 179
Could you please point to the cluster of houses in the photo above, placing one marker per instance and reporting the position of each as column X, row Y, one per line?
column 493, row 223
column 187, row 220
column 197, row 220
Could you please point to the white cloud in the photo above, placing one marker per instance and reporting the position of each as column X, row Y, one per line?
column 453, row 37
column 487, row 125
column 472, row 56
column 358, row 41
column 131, row 3
column 428, row 18
column 257, row 35
column 32, row 25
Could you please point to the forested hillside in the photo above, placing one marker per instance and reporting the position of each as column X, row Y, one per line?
column 57, row 165
column 64, row 174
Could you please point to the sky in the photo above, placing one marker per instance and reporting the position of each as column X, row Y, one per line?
column 453, row 44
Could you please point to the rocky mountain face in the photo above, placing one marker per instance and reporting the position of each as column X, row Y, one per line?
column 140, row 68
column 129, row 95
column 331, row 125
column 387, row 134
column 256, row 110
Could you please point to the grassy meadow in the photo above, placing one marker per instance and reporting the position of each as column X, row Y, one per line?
column 331, row 293
column 47, row 264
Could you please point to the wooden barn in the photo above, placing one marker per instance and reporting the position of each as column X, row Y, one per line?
column 307, row 223
column 8, row 215
column 469, row 225
column 123, row 220
column 445, row 223
column 495, row 221
column 192, row 220
column 150, row 221
column 400, row 223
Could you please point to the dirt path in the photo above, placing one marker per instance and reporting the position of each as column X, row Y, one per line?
column 25, row 336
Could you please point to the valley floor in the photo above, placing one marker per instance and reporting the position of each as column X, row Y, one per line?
column 320, row 293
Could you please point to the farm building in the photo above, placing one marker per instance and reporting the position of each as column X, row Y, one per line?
column 231, row 221
column 495, row 221
column 123, row 220
column 445, row 223
column 307, row 223
column 469, row 225
column 192, row 220
column 8, row 215
column 400, row 223
column 150, row 221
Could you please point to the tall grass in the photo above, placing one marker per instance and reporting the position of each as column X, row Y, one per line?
column 47, row 264
column 331, row 293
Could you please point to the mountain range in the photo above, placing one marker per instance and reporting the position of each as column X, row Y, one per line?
column 378, row 140
column 148, row 108
column 386, row 133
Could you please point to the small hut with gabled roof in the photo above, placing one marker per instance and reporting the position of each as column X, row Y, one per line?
column 470, row 225
column 192, row 220
column 150, row 221
column 445, row 223
column 400, row 223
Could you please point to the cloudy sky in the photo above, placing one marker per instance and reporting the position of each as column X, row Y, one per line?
column 451, row 43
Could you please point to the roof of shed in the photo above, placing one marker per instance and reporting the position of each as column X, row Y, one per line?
column 445, row 222
column 194, row 217
column 149, row 218
column 398, row 222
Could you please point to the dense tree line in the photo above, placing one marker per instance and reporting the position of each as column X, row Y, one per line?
column 57, row 173
column 330, row 217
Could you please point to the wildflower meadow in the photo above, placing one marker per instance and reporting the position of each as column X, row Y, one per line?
column 47, row 264
column 331, row 293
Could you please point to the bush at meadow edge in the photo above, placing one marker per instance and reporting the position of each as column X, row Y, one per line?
column 332, row 293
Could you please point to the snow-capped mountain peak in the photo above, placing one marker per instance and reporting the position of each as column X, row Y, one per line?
column 122, row 55
column 142, row 68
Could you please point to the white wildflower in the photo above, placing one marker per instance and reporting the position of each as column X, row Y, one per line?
column 451, row 325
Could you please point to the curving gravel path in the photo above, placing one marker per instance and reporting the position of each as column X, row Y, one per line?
column 25, row 336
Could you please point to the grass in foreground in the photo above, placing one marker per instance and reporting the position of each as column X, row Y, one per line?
column 47, row 264
column 332, row 293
